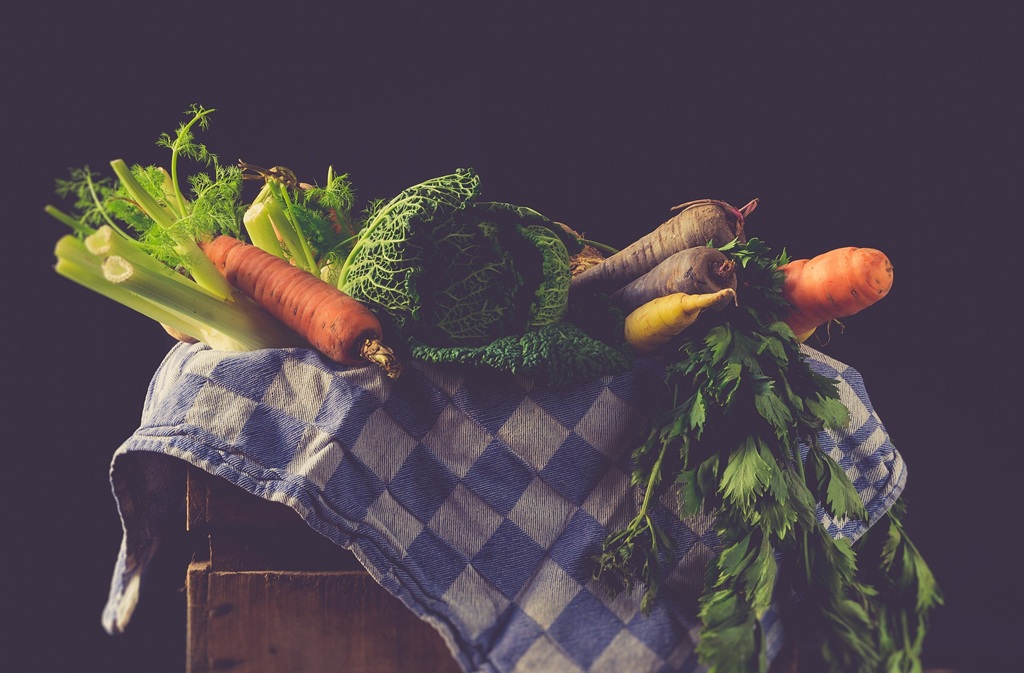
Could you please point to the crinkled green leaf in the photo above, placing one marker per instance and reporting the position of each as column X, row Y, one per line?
column 470, row 288
column 385, row 263
column 551, row 296
column 556, row 355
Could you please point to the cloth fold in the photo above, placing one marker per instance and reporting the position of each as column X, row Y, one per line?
column 475, row 497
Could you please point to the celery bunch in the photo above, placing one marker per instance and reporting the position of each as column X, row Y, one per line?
column 137, row 239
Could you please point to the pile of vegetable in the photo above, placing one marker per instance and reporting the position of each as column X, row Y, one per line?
column 433, row 273
column 737, row 435
column 439, row 275
column 478, row 282
column 178, row 259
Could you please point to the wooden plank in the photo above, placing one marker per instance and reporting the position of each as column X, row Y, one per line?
column 246, row 532
column 288, row 549
column 267, row 622
column 266, row 593
column 212, row 501
column 196, row 588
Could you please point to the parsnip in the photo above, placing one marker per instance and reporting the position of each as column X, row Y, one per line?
column 656, row 322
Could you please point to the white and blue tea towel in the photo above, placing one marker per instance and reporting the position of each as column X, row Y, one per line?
column 474, row 497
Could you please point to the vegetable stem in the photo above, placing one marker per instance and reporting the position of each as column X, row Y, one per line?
column 292, row 233
column 260, row 225
column 145, row 201
column 603, row 247
column 94, row 195
column 804, row 546
column 652, row 480
column 107, row 242
column 240, row 320
column 77, row 225
column 198, row 264
column 77, row 264
column 169, row 298
column 183, row 138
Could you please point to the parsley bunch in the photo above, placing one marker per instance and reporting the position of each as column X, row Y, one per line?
column 737, row 435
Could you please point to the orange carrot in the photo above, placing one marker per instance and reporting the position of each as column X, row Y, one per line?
column 696, row 223
column 834, row 285
column 340, row 327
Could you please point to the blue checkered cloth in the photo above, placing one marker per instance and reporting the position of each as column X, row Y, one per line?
column 477, row 498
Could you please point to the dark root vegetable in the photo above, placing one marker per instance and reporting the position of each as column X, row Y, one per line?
column 697, row 270
column 698, row 223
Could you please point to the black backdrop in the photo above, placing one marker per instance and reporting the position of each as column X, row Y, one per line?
column 895, row 128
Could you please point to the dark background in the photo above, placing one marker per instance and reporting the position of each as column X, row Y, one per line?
column 894, row 128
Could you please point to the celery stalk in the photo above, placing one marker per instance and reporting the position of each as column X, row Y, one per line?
column 134, row 233
column 106, row 242
column 292, row 232
column 174, row 199
column 237, row 324
column 198, row 264
column 259, row 225
column 273, row 219
column 157, row 211
column 79, row 227
column 244, row 323
column 75, row 263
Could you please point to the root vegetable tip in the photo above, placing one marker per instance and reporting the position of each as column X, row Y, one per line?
column 379, row 354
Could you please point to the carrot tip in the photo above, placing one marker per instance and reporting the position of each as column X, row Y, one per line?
column 379, row 354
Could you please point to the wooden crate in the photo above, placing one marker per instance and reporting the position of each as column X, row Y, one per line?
column 268, row 594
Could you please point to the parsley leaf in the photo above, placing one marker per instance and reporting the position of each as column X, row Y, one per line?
column 745, row 476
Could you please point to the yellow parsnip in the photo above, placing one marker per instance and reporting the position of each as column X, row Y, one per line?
column 656, row 322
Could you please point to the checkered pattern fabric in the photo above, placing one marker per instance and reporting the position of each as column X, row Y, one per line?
column 476, row 498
